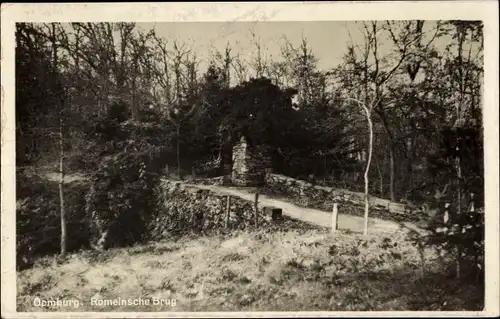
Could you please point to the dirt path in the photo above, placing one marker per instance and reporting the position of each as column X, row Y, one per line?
column 315, row 216
column 67, row 178
column 312, row 216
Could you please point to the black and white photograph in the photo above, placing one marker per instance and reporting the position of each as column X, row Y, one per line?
column 249, row 165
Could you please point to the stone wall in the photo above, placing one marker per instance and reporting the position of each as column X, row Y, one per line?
column 186, row 209
column 327, row 195
column 218, row 181
column 250, row 163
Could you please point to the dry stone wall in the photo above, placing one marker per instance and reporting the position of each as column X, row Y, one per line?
column 186, row 208
column 218, row 181
column 326, row 195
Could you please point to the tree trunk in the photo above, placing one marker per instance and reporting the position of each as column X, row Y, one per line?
column 61, row 185
column 367, row 170
column 177, row 151
column 135, row 113
column 392, row 154
column 392, row 172
column 409, row 179
column 381, row 180
column 459, row 188
column 410, row 151
column 458, row 121
column 61, row 144
column 410, row 158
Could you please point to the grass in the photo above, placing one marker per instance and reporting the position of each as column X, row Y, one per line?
column 254, row 271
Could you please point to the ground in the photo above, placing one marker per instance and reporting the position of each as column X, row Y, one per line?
column 256, row 271
column 307, row 268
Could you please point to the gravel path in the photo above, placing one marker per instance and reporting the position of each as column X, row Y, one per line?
column 315, row 216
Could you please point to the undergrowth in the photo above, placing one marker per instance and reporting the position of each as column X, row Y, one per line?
column 257, row 271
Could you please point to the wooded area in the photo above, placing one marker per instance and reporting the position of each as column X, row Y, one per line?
column 123, row 106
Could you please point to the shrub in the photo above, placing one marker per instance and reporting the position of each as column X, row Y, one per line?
column 462, row 238
column 460, row 235
column 119, row 201
column 38, row 220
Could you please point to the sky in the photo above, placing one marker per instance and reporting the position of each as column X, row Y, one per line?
column 327, row 40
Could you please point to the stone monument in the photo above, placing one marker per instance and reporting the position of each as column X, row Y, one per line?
column 250, row 163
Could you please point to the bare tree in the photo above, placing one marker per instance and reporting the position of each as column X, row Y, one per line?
column 356, row 75
column 102, row 54
column 300, row 68
column 126, row 36
column 58, row 89
column 183, row 66
column 367, row 109
column 227, row 65
column 226, row 62
column 258, row 62
column 139, row 51
column 467, row 89
column 379, row 72
column 240, row 68
column 161, row 69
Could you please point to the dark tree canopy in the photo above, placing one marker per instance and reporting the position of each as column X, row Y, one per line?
column 260, row 110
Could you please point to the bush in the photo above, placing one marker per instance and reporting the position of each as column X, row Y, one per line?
column 82, row 162
column 462, row 238
column 38, row 220
column 460, row 235
column 119, row 202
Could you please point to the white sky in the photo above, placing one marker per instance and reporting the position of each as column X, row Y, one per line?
column 328, row 40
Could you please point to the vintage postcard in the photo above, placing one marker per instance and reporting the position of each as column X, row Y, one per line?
column 269, row 159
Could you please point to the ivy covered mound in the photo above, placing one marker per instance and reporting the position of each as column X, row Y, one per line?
column 119, row 200
column 121, row 195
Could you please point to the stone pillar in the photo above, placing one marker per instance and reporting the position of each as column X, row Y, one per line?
column 250, row 163
column 240, row 166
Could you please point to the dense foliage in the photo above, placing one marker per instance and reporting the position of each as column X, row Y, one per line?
column 460, row 230
column 119, row 201
column 38, row 219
